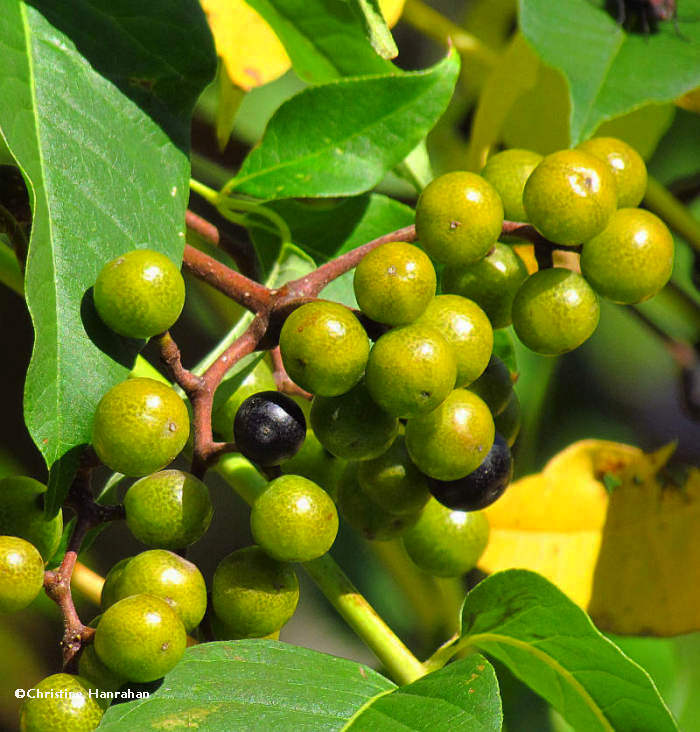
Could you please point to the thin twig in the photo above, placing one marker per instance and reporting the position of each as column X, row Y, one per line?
column 282, row 379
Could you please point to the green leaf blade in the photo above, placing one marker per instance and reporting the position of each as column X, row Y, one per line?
column 551, row 644
column 354, row 131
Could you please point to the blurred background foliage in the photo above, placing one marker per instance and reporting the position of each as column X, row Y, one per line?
column 622, row 385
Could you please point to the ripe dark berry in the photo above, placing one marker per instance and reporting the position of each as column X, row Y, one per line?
column 480, row 488
column 269, row 428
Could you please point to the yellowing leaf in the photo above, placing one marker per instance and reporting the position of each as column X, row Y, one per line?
column 251, row 52
column 630, row 557
column 391, row 10
column 690, row 101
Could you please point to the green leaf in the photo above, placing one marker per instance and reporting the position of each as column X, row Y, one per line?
column 325, row 39
column 609, row 71
column 379, row 34
column 551, row 644
column 461, row 696
column 252, row 685
column 354, row 132
column 97, row 98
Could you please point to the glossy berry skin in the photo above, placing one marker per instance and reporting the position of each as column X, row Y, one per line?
column 494, row 386
column 482, row 487
column 294, row 520
column 393, row 482
column 170, row 509
column 631, row 259
column 452, row 440
column 507, row 172
column 570, row 196
column 446, row 543
column 21, row 573
column 139, row 294
column 269, row 428
column 353, row 426
column 459, row 217
column 140, row 638
column 394, row 283
column 70, row 707
column 411, row 370
column 464, row 325
column 626, row 165
column 168, row 576
column 491, row 282
column 140, row 426
column 230, row 395
column 324, row 348
column 555, row 311
column 22, row 514
column 507, row 423
column 254, row 595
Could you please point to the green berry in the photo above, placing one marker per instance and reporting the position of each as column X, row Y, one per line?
column 570, row 196
column 168, row 576
column 294, row 520
column 254, row 595
column 140, row 426
column 631, row 259
column 447, row 543
column 316, row 463
column 494, row 386
column 627, row 167
column 93, row 670
column 140, row 638
column 491, row 283
column 452, row 440
column 507, row 423
column 324, row 348
column 555, row 311
column 393, row 482
column 139, row 294
column 459, row 217
column 508, row 172
column 110, row 588
column 394, row 283
column 353, row 426
column 232, row 393
column 65, row 705
column 21, row 573
column 364, row 515
column 464, row 325
column 410, row 370
column 170, row 509
column 22, row 514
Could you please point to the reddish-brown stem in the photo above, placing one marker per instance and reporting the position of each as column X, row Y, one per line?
column 172, row 359
column 529, row 233
column 282, row 379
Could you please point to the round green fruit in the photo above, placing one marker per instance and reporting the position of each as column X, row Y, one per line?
column 64, row 705
column 447, row 543
column 570, row 196
column 294, row 520
column 170, row 509
column 22, row 514
column 110, row 587
column 140, row 426
column 555, row 311
column 626, row 165
column 494, row 386
column 508, row 172
column 459, row 217
column 491, row 283
column 507, row 423
column 139, row 294
column 254, row 595
column 140, row 638
column 168, row 576
column 324, row 348
column 394, row 283
column 631, row 259
column 464, row 325
column 452, row 440
column 21, row 573
column 410, row 370
column 353, row 426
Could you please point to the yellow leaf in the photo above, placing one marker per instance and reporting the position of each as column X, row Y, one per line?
column 690, row 101
column 629, row 558
column 251, row 52
column 391, row 10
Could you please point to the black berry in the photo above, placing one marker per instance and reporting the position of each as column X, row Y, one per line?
column 481, row 487
column 269, row 428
